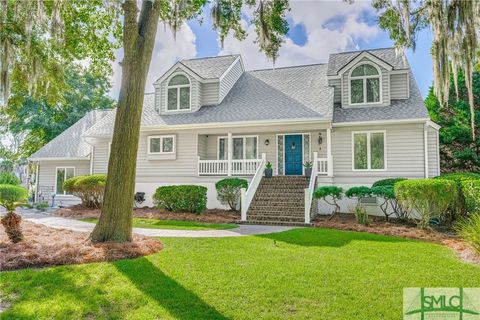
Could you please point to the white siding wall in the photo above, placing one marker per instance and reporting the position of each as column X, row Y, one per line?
column 101, row 152
column 337, row 92
column 47, row 176
column 433, row 153
column 399, row 86
column 209, row 93
column 385, row 78
column 405, row 154
column 230, row 78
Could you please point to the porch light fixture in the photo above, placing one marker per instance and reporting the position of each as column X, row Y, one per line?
column 320, row 138
column 293, row 145
column 267, row 142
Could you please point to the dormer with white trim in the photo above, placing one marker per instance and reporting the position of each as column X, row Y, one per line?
column 368, row 78
column 191, row 84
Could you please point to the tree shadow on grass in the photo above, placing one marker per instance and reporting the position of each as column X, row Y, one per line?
column 180, row 302
column 319, row 237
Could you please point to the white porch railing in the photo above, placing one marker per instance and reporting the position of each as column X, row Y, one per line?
column 246, row 195
column 221, row 167
column 322, row 164
column 311, row 188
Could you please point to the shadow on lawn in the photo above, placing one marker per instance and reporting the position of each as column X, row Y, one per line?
column 319, row 237
column 180, row 302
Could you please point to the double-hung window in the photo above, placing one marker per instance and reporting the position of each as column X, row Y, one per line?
column 369, row 150
column 161, row 144
column 62, row 174
column 365, row 85
column 245, row 147
column 178, row 93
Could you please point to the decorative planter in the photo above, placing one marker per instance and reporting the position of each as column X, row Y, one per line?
column 268, row 173
column 308, row 172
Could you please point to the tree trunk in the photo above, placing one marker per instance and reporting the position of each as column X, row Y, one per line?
column 115, row 223
column 11, row 223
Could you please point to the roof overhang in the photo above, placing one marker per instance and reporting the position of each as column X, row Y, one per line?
column 35, row 159
column 359, row 58
column 176, row 66
column 380, row 122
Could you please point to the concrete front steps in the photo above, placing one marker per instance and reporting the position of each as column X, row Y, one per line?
column 279, row 200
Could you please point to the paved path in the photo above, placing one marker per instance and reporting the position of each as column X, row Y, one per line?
column 76, row 225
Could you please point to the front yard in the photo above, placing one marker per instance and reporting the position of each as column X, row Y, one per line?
column 173, row 224
column 302, row 273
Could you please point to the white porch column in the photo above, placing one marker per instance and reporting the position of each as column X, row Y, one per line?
column 229, row 153
column 425, row 146
column 329, row 153
column 243, row 203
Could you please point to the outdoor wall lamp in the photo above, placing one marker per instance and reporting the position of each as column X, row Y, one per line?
column 267, row 142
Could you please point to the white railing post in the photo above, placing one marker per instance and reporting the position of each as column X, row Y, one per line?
column 229, row 153
column 307, row 205
column 310, row 189
column 243, row 203
column 198, row 166
column 329, row 153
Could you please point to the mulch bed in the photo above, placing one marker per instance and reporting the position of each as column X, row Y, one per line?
column 378, row 225
column 44, row 246
column 210, row 216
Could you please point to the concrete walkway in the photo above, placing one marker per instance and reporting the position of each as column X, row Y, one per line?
column 76, row 225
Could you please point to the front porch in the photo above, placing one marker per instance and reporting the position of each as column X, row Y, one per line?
column 233, row 154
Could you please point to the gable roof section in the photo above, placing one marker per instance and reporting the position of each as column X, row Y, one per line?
column 70, row 144
column 337, row 61
column 411, row 108
column 294, row 93
column 210, row 68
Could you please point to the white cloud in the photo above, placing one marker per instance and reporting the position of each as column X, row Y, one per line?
column 321, row 40
column 166, row 52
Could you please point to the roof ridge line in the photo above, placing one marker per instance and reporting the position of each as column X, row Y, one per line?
column 211, row 57
column 289, row 67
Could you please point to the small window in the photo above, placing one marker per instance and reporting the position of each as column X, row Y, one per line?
column 365, row 85
column 243, row 148
column 178, row 93
column 63, row 174
column 368, row 150
column 161, row 144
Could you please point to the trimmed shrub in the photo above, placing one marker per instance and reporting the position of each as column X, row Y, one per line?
column 181, row 198
column 12, row 197
column 387, row 182
column 333, row 192
column 359, row 192
column 429, row 197
column 9, row 178
column 471, row 194
column 89, row 188
column 390, row 205
column 460, row 207
column 469, row 230
column 228, row 191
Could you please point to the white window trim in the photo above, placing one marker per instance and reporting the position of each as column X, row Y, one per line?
column 364, row 78
column 369, row 164
column 56, row 176
column 189, row 85
column 161, row 137
column 244, row 145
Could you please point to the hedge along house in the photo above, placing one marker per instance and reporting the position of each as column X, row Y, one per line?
column 357, row 118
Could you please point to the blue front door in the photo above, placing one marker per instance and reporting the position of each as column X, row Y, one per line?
column 293, row 155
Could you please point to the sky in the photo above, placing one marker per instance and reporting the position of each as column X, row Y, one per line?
column 317, row 29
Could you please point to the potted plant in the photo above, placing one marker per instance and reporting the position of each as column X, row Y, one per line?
column 268, row 170
column 308, row 168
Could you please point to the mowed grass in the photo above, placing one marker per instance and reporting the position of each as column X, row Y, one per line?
column 299, row 274
column 174, row 224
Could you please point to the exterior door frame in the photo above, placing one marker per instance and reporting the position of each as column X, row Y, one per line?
column 303, row 149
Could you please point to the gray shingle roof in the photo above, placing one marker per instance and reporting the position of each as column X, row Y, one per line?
column 411, row 108
column 70, row 144
column 273, row 94
column 337, row 61
column 210, row 68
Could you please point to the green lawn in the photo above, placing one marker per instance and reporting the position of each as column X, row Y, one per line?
column 174, row 224
column 302, row 274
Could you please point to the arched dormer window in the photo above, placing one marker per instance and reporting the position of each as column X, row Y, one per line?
column 178, row 93
column 365, row 84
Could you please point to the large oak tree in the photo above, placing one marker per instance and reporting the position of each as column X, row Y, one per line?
column 139, row 30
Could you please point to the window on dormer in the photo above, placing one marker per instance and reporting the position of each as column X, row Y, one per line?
column 178, row 93
column 365, row 85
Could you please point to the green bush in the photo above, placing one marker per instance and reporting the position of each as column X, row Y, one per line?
column 9, row 178
column 12, row 196
column 361, row 215
column 228, row 191
column 89, row 188
column 335, row 193
column 387, row 182
column 390, row 206
column 42, row 205
column 471, row 194
column 181, row 198
column 469, row 230
column 459, row 208
column 429, row 197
